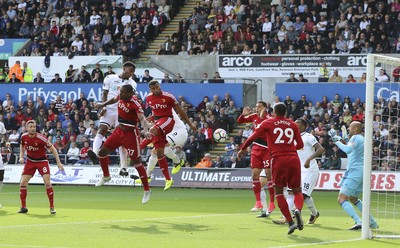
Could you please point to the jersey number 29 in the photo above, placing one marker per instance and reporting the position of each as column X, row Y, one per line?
column 288, row 133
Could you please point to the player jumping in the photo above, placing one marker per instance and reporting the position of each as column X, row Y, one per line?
column 126, row 134
column 109, row 115
column 161, row 104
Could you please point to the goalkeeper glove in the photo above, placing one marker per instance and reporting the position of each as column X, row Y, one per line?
column 332, row 132
column 336, row 138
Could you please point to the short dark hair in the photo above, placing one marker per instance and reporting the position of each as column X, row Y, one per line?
column 280, row 109
column 153, row 82
column 263, row 103
column 302, row 122
column 128, row 87
column 129, row 63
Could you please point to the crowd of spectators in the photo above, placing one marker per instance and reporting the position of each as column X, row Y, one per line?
column 287, row 27
column 85, row 27
column 124, row 27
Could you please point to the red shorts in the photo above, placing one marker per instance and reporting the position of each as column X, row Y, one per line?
column 165, row 126
column 286, row 171
column 31, row 167
column 125, row 138
column 260, row 157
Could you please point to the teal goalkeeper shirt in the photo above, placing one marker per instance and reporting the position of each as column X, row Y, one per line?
column 355, row 155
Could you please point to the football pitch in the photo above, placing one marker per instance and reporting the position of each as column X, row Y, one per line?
column 114, row 217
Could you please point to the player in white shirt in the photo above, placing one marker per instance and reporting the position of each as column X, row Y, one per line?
column 109, row 114
column 177, row 137
column 309, row 171
column 309, row 167
column 2, row 133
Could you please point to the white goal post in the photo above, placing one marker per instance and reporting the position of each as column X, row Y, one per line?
column 372, row 61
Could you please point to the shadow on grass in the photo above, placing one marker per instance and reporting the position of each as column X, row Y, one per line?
column 162, row 228
column 42, row 216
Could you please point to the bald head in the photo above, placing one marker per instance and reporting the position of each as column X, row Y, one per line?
column 355, row 128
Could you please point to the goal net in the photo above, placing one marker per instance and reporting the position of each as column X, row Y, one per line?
column 381, row 189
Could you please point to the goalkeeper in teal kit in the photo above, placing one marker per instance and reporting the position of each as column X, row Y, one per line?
column 352, row 181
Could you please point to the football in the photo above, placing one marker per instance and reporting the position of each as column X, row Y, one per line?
column 220, row 135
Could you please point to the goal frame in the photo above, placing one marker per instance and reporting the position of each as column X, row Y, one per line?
column 372, row 61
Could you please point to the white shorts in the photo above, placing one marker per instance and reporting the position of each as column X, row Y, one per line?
column 110, row 119
column 308, row 181
column 263, row 173
column 177, row 137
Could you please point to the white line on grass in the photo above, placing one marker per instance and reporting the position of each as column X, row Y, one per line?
column 318, row 243
column 121, row 221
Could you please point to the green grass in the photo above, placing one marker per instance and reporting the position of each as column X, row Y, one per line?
column 114, row 217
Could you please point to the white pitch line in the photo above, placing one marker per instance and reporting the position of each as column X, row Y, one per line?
column 122, row 221
column 318, row 243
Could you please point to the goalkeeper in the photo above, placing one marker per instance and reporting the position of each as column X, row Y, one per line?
column 352, row 180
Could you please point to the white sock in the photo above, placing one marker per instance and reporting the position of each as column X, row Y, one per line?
column 263, row 197
column 290, row 201
column 97, row 142
column 171, row 154
column 123, row 155
column 310, row 204
column 151, row 164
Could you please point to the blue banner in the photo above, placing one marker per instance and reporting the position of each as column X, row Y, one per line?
column 193, row 93
column 315, row 91
column 9, row 47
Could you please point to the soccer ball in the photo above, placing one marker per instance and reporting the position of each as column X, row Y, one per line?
column 220, row 135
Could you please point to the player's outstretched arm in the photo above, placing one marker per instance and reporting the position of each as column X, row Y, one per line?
column 57, row 157
column 103, row 104
column 346, row 148
column 184, row 116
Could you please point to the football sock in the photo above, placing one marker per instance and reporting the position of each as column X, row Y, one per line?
column 298, row 200
column 162, row 162
column 283, row 206
column 359, row 204
column 271, row 191
column 123, row 155
column 310, row 204
column 143, row 176
column 263, row 197
column 290, row 201
column 257, row 189
column 97, row 142
column 151, row 164
column 23, row 191
column 104, row 161
column 171, row 155
column 349, row 209
column 50, row 195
